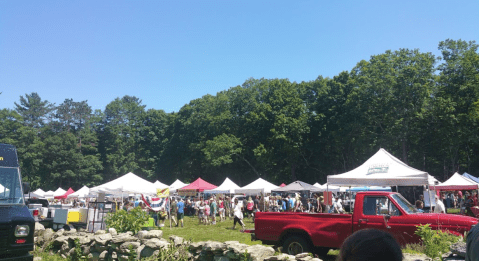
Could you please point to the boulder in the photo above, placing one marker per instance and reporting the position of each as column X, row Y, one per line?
column 103, row 239
column 125, row 247
column 37, row 258
column 177, row 241
column 59, row 233
column 48, row 234
column 103, row 255
column 214, row 246
column 281, row 257
column 142, row 234
column 221, row 258
column 259, row 252
column 114, row 255
column 156, row 243
column 459, row 249
column 301, row 255
column 70, row 232
column 60, row 240
column 39, row 229
column 100, row 232
column 123, row 237
column 112, row 231
column 154, row 234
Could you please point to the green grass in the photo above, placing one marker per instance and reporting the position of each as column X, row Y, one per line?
column 453, row 211
column 220, row 232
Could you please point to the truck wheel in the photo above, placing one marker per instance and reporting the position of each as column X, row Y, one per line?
column 294, row 245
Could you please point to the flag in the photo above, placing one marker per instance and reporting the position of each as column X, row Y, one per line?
column 163, row 193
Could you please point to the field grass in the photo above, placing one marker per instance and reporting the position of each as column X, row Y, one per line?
column 220, row 232
column 453, row 211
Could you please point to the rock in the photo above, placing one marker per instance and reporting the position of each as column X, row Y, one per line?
column 86, row 249
column 70, row 232
column 123, row 258
column 103, row 239
column 301, row 255
column 60, row 240
column 123, row 237
column 459, row 249
column 71, row 251
column 411, row 257
column 124, row 248
column 39, row 229
column 214, row 246
column 48, row 234
column 37, row 258
column 315, row 259
column 142, row 234
column 259, row 252
column 156, row 243
column 63, row 256
column 177, row 241
column 221, row 258
column 306, row 258
column 112, row 231
column 281, row 257
column 103, row 255
column 59, row 233
column 138, row 251
column 129, row 233
column 93, row 256
column 154, row 234
column 114, row 255
column 197, row 245
column 100, row 232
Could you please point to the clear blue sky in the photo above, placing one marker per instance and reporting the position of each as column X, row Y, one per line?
column 170, row 52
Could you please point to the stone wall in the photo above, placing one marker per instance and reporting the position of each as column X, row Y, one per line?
column 110, row 245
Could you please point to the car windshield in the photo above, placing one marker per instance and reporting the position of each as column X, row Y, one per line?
column 404, row 203
column 10, row 187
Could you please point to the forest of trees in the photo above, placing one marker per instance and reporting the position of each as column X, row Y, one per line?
column 421, row 108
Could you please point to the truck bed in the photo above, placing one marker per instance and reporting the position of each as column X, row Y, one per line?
column 328, row 230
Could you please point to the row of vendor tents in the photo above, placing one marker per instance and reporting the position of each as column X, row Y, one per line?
column 377, row 173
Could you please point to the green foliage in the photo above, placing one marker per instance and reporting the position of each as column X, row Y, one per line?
column 77, row 253
column 132, row 254
column 414, row 249
column 172, row 252
column 436, row 242
column 421, row 108
column 124, row 221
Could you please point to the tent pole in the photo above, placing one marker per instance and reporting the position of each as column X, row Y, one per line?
column 169, row 210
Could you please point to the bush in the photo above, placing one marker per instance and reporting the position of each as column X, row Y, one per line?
column 124, row 221
column 436, row 242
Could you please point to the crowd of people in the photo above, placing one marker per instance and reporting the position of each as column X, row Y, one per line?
column 464, row 201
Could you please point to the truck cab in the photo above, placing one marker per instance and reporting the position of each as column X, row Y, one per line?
column 16, row 222
column 388, row 211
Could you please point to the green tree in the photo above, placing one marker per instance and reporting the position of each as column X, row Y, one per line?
column 34, row 110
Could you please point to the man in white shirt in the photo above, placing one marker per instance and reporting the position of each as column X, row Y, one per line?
column 439, row 206
column 337, row 207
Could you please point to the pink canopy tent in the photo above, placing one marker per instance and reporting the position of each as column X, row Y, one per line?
column 69, row 191
column 282, row 185
column 199, row 185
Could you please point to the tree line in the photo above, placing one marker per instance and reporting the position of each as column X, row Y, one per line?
column 421, row 108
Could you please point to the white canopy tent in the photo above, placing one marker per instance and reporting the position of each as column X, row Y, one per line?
column 59, row 192
column 332, row 188
column 160, row 185
column 81, row 193
column 176, row 185
column 128, row 183
column 227, row 187
column 39, row 193
column 382, row 169
column 432, row 181
column 48, row 194
column 256, row 187
column 457, row 182
column 317, row 185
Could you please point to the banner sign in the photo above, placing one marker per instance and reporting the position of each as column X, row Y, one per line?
column 163, row 193
column 378, row 168
column 187, row 192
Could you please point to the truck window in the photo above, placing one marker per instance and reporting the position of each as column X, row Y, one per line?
column 379, row 205
column 10, row 187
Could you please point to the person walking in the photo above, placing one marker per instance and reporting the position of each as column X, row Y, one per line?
column 173, row 212
column 213, row 210
column 238, row 215
column 221, row 209
column 227, row 207
column 181, row 211
column 439, row 206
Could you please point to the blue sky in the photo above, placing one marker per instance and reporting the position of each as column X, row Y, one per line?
column 170, row 52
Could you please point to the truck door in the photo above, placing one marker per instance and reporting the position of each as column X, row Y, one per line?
column 381, row 213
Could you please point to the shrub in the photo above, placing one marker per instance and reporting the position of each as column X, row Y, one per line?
column 124, row 221
column 173, row 253
column 436, row 242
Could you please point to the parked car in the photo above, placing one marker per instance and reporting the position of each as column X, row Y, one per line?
column 388, row 211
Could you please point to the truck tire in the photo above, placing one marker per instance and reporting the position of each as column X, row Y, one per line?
column 294, row 245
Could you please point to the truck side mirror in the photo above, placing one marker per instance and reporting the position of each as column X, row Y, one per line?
column 26, row 187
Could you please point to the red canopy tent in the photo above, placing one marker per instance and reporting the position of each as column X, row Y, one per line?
column 69, row 191
column 282, row 185
column 199, row 185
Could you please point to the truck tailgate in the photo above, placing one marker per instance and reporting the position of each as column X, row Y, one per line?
column 325, row 230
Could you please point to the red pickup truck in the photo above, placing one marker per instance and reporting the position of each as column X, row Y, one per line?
column 389, row 211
